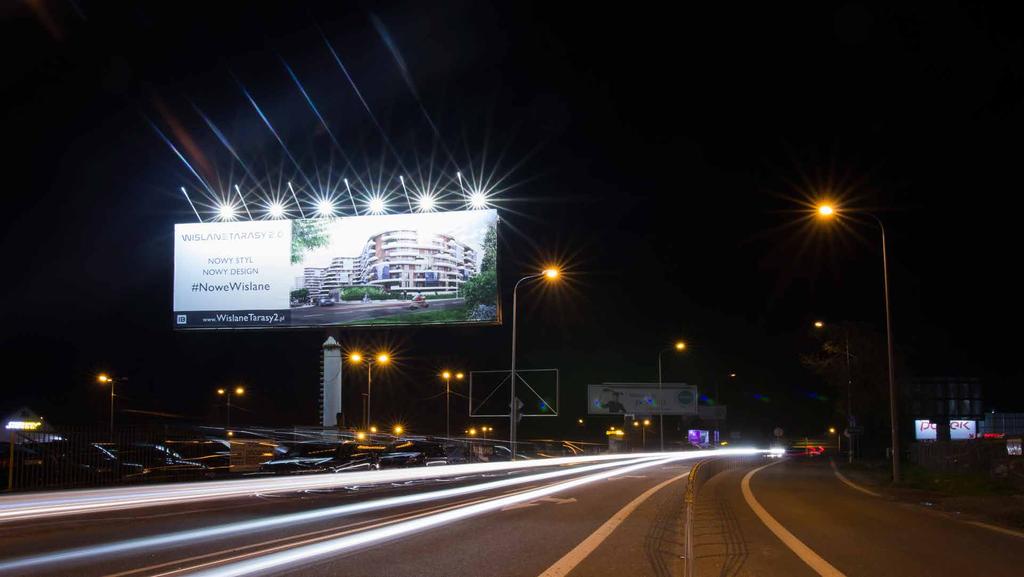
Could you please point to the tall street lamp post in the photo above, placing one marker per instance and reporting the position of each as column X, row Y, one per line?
column 105, row 379
column 380, row 359
column 680, row 346
column 828, row 212
column 237, row 392
column 447, row 376
column 550, row 274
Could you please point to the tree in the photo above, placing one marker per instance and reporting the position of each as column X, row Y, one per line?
column 307, row 235
column 868, row 375
column 300, row 294
column 490, row 260
column 482, row 289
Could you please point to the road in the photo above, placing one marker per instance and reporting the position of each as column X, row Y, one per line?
column 500, row 523
column 849, row 531
column 350, row 312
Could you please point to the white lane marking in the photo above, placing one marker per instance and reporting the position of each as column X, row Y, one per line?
column 996, row 528
column 535, row 502
column 805, row 553
column 580, row 552
column 850, row 483
column 628, row 477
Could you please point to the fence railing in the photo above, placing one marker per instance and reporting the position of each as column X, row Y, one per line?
column 700, row 473
column 63, row 457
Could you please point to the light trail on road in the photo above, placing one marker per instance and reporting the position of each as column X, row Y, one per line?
column 322, row 514
column 303, row 554
column 59, row 503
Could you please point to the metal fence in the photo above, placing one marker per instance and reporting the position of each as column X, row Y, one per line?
column 80, row 456
column 700, row 473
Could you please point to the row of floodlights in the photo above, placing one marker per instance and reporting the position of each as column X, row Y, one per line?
column 326, row 207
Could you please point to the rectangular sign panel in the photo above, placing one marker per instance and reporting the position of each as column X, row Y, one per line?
column 641, row 399
column 959, row 430
column 398, row 269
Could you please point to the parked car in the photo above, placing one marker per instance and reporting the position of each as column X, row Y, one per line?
column 418, row 302
column 318, row 457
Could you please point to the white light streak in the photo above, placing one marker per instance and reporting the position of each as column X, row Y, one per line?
column 61, row 503
column 234, row 529
column 307, row 553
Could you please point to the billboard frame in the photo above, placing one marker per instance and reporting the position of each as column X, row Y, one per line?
column 497, row 322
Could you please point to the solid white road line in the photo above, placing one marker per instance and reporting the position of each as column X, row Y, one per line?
column 805, row 553
column 850, row 483
column 573, row 558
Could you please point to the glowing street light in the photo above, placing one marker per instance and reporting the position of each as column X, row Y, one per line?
column 105, row 379
column 373, row 428
column 381, row 359
column 228, row 393
column 472, row 432
column 679, row 347
column 827, row 211
column 398, row 429
column 819, row 324
column 447, row 376
column 360, row 436
column 551, row 274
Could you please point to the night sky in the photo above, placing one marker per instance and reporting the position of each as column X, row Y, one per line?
column 665, row 158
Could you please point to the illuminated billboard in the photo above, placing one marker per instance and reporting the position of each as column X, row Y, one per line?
column 641, row 399
column 397, row 269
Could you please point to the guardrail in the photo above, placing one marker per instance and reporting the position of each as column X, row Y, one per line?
column 700, row 473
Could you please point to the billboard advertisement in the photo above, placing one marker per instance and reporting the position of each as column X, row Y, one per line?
column 959, row 430
column 397, row 269
column 641, row 399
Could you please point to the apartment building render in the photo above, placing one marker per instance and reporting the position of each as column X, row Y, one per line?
column 398, row 260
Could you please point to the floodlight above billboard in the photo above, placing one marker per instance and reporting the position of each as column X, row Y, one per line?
column 641, row 399
column 400, row 269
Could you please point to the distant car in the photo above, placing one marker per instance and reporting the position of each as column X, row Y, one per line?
column 325, row 302
column 418, row 302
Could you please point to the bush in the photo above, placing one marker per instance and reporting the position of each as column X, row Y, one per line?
column 481, row 290
column 357, row 293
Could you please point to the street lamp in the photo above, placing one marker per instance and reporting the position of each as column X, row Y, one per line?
column 237, row 392
column 447, row 376
column 679, row 346
column 828, row 212
column 398, row 429
column 104, row 379
column 380, row 359
column 549, row 274
column 819, row 324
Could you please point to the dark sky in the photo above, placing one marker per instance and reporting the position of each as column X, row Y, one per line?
column 662, row 156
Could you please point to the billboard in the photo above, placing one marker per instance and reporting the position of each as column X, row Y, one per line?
column 397, row 269
column 641, row 399
column 959, row 430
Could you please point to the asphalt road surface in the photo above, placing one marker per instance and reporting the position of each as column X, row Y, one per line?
column 347, row 313
column 535, row 521
column 851, row 532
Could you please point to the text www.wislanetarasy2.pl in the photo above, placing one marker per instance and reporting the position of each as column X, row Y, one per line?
column 245, row 318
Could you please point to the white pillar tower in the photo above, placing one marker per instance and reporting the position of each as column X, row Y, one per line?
column 330, row 385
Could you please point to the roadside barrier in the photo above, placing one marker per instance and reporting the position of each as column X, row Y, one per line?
column 700, row 473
